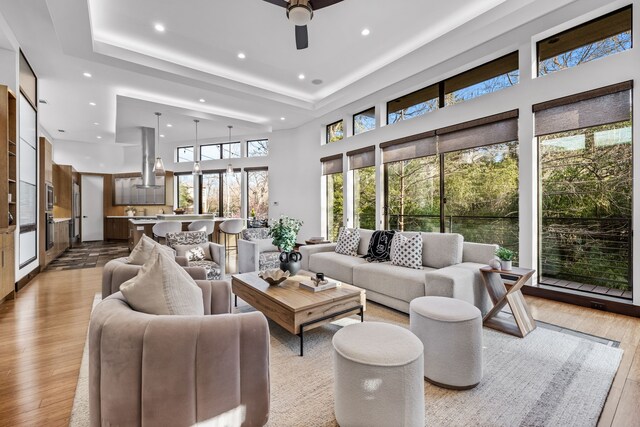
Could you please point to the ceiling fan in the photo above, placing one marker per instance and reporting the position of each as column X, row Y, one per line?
column 300, row 12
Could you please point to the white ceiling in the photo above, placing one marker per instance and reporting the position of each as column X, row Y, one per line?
column 137, row 70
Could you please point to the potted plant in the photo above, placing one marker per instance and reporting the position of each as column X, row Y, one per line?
column 506, row 257
column 284, row 232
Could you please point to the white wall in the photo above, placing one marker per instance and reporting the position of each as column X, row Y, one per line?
column 97, row 158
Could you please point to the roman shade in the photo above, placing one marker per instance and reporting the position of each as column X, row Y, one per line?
column 413, row 98
column 490, row 130
column 610, row 104
column 410, row 147
column 331, row 164
column 495, row 68
column 362, row 158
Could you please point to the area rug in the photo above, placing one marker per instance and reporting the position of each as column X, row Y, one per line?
column 89, row 255
column 549, row 378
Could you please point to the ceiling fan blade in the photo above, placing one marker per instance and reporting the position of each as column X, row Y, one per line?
column 319, row 4
column 281, row 3
column 302, row 37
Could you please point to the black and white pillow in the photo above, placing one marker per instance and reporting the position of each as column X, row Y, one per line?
column 348, row 241
column 380, row 246
column 195, row 254
column 407, row 251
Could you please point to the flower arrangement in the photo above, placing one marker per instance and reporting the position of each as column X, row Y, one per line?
column 284, row 232
column 130, row 210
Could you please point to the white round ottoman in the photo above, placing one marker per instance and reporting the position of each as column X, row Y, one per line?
column 451, row 331
column 378, row 371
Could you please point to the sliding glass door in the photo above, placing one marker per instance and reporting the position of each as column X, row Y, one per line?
column 220, row 193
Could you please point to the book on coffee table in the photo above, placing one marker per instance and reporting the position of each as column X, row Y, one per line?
column 310, row 285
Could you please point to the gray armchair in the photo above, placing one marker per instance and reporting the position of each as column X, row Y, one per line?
column 214, row 263
column 255, row 251
column 178, row 370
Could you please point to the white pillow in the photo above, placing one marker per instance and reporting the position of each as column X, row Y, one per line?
column 163, row 287
column 407, row 251
column 183, row 250
column 348, row 241
column 265, row 245
column 140, row 254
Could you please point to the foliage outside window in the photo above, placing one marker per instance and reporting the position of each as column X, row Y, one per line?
column 586, row 207
column 595, row 39
column 364, row 198
column 185, row 192
column 231, row 195
column 487, row 78
column 412, row 105
column 221, row 194
column 258, row 194
column 258, row 148
column 185, row 154
column 334, row 183
column 210, row 194
column 364, row 121
column 481, row 189
column 335, row 131
column 227, row 150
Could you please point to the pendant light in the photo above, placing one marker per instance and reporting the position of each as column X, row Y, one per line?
column 196, row 165
column 229, row 166
column 158, row 165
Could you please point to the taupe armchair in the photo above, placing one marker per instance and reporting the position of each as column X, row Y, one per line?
column 117, row 271
column 178, row 370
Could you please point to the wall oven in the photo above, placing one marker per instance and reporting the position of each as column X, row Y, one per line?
column 49, row 197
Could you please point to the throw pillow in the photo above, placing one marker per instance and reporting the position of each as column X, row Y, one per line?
column 140, row 254
column 184, row 250
column 265, row 245
column 348, row 240
column 195, row 254
column 407, row 251
column 163, row 287
column 380, row 246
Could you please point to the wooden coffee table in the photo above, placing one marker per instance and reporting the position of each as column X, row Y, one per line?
column 295, row 309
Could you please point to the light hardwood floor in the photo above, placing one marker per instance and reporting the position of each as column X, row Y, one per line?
column 42, row 335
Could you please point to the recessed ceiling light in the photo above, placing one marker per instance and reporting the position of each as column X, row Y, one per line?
column 301, row 76
column 202, row 100
column 93, row 104
column 159, row 28
column 365, row 32
column 169, row 125
column 241, row 55
column 96, row 123
column 161, row 136
column 99, row 137
column 282, row 118
column 86, row 74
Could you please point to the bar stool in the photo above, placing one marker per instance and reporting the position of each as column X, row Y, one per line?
column 233, row 227
column 205, row 225
column 161, row 228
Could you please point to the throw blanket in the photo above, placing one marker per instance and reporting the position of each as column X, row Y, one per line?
column 380, row 246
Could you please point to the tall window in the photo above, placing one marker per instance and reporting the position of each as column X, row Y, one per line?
column 185, row 192
column 490, row 77
column 258, row 148
column 595, row 39
column 332, row 173
column 585, row 149
column 414, row 104
column 220, row 193
column 226, row 150
column 362, row 165
column 258, row 193
column 185, row 154
column 364, row 121
column 335, row 131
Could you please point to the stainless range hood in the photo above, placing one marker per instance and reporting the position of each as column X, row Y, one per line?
column 148, row 156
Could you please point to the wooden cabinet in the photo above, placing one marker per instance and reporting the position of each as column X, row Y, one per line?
column 60, row 241
column 48, row 161
column 7, row 268
column 8, row 150
column 116, row 229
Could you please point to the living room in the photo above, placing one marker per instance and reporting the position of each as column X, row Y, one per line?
column 489, row 145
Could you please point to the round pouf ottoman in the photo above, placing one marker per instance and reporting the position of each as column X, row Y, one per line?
column 378, row 371
column 451, row 331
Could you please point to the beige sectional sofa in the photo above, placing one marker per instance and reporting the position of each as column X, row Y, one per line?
column 450, row 269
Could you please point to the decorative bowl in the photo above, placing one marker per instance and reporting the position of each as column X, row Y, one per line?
column 178, row 211
column 274, row 277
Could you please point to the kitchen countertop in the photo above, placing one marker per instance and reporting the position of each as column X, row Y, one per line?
column 61, row 219
column 132, row 217
column 178, row 218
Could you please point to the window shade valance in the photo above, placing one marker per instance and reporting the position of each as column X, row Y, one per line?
column 490, row 130
column 331, row 164
column 410, row 147
column 610, row 104
column 362, row 158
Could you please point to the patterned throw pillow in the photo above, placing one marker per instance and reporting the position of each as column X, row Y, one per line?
column 380, row 246
column 195, row 254
column 348, row 241
column 407, row 251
